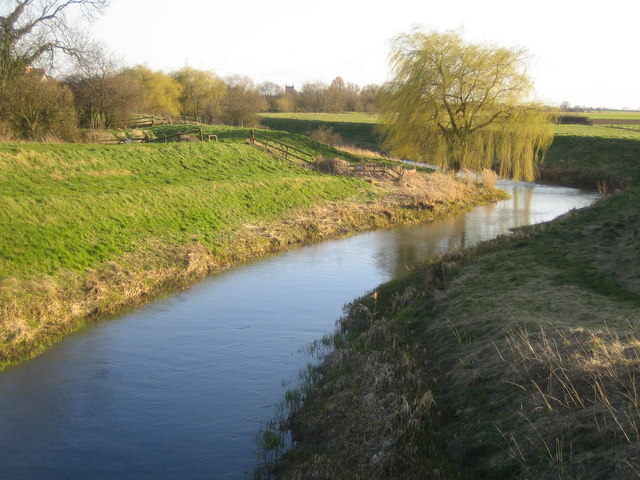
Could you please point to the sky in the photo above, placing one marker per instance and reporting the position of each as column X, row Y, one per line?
column 584, row 52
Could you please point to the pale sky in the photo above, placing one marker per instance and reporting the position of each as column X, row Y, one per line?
column 584, row 52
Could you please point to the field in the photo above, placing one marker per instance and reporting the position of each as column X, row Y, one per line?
column 613, row 115
column 354, row 128
column 517, row 359
column 359, row 128
column 621, row 119
column 346, row 117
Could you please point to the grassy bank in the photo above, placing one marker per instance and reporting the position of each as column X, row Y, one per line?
column 515, row 359
column 355, row 128
column 87, row 231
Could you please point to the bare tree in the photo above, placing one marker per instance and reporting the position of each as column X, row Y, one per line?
column 34, row 30
column 271, row 92
column 242, row 102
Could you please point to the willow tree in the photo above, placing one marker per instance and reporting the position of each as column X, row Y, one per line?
column 463, row 106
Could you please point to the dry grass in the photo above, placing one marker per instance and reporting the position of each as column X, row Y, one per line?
column 587, row 380
column 37, row 311
column 415, row 189
column 362, row 152
column 387, row 403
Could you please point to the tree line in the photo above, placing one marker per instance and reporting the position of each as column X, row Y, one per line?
column 453, row 103
column 91, row 90
column 101, row 96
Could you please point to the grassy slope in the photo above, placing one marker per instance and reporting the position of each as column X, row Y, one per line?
column 77, row 206
column 356, row 128
column 517, row 359
column 88, row 230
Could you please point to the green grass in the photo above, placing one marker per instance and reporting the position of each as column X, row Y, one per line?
column 75, row 206
column 89, row 230
column 602, row 151
column 356, row 128
column 346, row 117
column 241, row 135
column 610, row 115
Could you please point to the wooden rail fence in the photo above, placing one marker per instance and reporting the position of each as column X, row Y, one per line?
column 374, row 169
column 152, row 121
column 187, row 136
column 626, row 124
column 284, row 150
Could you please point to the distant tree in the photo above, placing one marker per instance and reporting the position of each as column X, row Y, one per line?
column 313, row 97
column 352, row 97
column 202, row 93
column 272, row 93
column 33, row 31
column 336, row 96
column 38, row 109
column 161, row 92
column 242, row 101
column 463, row 106
column 106, row 96
column 368, row 98
column 287, row 102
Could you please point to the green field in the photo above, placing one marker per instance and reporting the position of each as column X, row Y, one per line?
column 354, row 128
column 618, row 115
column 518, row 359
column 346, row 117
column 74, row 206
column 359, row 128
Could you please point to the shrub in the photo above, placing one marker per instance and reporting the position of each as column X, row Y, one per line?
column 325, row 134
column 37, row 108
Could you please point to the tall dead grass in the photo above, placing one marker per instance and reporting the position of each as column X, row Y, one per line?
column 362, row 152
column 576, row 380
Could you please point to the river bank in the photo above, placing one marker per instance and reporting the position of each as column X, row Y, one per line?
column 514, row 359
column 91, row 231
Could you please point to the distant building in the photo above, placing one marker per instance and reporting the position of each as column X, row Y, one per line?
column 289, row 90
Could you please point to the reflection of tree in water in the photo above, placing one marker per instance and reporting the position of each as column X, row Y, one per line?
column 521, row 199
column 404, row 247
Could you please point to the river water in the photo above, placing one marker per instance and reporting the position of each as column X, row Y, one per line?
column 179, row 389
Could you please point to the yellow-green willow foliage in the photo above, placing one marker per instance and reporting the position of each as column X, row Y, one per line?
column 462, row 106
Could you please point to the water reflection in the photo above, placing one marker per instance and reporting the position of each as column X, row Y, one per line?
column 529, row 204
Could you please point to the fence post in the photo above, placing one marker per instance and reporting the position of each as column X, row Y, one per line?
column 252, row 137
column 201, row 136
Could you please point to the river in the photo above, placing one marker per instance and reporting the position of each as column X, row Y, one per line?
column 179, row 389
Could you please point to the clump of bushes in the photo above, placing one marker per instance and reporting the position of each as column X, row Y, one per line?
column 325, row 134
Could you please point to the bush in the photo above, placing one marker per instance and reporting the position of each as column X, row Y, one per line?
column 38, row 109
column 325, row 134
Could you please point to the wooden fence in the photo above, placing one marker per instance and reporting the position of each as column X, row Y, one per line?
column 282, row 149
column 151, row 121
column 627, row 124
column 375, row 169
column 188, row 136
